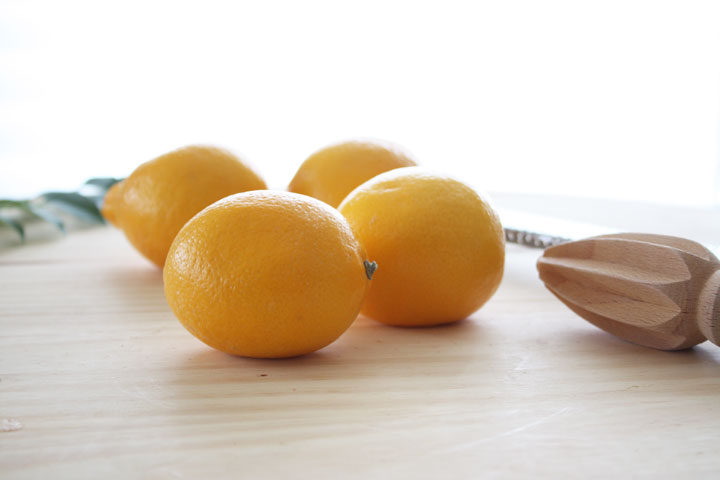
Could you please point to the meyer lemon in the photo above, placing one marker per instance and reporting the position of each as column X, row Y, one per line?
column 333, row 172
column 154, row 202
column 438, row 242
column 266, row 274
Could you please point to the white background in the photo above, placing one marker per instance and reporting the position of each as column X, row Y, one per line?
column 600, row 99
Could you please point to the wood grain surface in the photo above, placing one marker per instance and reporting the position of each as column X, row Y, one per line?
column 98, row 379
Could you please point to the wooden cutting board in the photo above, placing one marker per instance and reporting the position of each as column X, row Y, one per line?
column 98, row 379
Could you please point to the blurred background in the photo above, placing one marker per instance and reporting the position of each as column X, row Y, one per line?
column 615, row 100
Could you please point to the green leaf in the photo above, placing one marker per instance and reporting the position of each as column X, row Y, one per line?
column 103, row 182
column 15, row 225
column 31, row 211
column 13, row 203
column 83, row 205
column 74, row 204
column 47, row 216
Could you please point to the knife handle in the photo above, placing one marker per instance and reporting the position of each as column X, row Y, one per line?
column 532, row 239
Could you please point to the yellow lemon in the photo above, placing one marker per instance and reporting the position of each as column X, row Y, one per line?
column 155, row 201
column 438, row 242
column 267, row 274
column 333, row 172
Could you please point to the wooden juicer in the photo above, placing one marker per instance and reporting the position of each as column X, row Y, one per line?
column 653, row 290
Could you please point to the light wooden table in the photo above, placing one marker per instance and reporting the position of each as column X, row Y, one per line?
column 97, row 379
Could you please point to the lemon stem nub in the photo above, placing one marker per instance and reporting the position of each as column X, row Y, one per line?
column 370, row 268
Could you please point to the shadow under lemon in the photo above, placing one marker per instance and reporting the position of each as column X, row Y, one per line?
column 364, row 340
column 369, row 357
